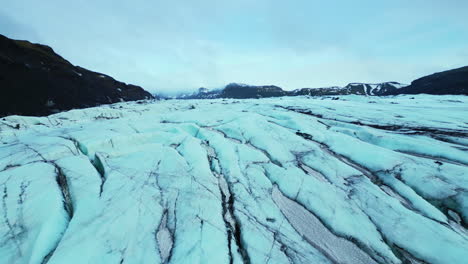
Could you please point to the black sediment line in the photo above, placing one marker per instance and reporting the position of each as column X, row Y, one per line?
column 233, row 228
column 97, row 163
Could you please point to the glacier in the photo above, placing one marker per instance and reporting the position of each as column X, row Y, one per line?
column 347, row 179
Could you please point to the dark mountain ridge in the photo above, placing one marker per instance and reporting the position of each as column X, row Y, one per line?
column 447, row 82
column 242, row 91
column 352, row 88
column 239, row 91
column 34, row 80
column 443, row 83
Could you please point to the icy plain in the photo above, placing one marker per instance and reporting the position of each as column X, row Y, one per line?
column 345, row 180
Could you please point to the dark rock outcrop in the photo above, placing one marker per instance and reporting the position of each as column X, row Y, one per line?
column 448, row 82
column 34, row 80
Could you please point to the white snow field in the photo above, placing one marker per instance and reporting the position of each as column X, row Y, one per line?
column 347, row 179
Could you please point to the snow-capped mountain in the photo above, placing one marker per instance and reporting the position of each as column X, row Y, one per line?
column 278, row 180
column 201, row 93
column 236, row 90
column 243, row 91
column 374, row 89
column 37, row 81
column 448, row 82
column 352, row 88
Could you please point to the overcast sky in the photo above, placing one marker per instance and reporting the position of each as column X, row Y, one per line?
column 185, row 44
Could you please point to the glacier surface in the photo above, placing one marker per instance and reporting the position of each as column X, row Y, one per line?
column 284, row 180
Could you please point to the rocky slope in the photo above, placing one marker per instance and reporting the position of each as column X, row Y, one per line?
column 448, row 82
column 34, row 80
column 344, row 180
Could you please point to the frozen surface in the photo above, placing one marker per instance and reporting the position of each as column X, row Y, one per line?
column 282, row 180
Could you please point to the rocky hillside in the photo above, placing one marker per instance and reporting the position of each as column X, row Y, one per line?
column 34, row 80
column 448, row 82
